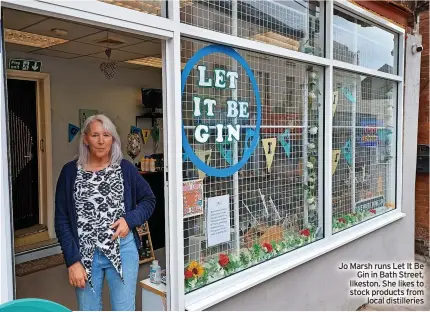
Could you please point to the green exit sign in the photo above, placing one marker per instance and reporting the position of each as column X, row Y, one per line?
column 25, row 65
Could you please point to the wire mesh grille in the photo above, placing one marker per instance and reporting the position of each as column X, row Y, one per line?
column 364, row 143
column 280, row 206
column 360, row 43
column 293, row 25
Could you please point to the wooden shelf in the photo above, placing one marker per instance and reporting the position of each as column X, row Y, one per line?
column 144, row 231
column 146, row 260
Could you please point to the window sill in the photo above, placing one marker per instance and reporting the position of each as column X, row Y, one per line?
column 219, row 291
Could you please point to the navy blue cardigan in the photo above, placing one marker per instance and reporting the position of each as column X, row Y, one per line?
column 139, row 202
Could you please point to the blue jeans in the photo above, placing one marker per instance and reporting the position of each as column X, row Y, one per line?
column 122, row 295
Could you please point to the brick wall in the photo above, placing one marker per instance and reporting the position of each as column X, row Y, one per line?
column 422, row 188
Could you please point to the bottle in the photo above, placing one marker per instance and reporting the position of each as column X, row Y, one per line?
column 146, row 164
column 147, row 250
column 152, row 165
column 155, row 272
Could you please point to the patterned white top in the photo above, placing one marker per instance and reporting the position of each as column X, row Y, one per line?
column 99, row 199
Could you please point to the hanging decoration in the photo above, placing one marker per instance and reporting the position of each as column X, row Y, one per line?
column 310, row 185
column 73, row 130
column 155, row 133
column 347, row 152
column 348, row 94
column 284, row 140
column 109, row 68
column 335, row 100
column 225, row 150
column 249, row 135
column 133, row 145
column 335, row 156
column 269, row 146
column 135, row 130
column 204, row 156
column 145, row 135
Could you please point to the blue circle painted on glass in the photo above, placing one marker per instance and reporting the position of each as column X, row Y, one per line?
column 32, row 305
column 211, row 171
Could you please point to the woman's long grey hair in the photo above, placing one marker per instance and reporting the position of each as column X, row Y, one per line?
column 115, row 153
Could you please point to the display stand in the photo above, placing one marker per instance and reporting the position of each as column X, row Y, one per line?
column 144, row 231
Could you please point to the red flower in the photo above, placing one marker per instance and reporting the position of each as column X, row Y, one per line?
column 223, row 260
column 372, row 211
column 188, row 274
column 305, row 232
column 341, row 220
column 268, row 247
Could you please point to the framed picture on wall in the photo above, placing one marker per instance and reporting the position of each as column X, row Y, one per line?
column 84, row 114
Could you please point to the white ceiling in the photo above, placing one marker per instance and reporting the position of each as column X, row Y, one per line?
column 84, row 41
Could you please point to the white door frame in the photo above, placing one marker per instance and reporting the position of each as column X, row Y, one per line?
column 122, row 19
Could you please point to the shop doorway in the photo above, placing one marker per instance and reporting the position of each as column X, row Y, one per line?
column 83, row 69
column 23, row 147
column 31, row 160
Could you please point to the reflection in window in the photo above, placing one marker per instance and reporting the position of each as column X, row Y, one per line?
column 364, row 146
column 294, row 25
column 361, row 43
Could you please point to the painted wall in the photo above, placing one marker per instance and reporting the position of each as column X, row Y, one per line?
column 80, row 85
column 306, row 286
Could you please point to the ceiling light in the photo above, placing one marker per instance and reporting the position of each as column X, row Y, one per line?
column 149, row 61
column 29, row 39
column 59, row 32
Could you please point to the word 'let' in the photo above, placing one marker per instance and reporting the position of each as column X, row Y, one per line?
column 222, row 79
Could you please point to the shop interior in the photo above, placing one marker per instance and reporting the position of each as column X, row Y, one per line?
column 60, row 72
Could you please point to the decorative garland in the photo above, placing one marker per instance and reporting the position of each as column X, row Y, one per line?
column 312, row 144
column 351, row 219
column 200, row 274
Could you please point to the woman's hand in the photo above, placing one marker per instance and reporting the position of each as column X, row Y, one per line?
column 77, row 275
column 121, row 228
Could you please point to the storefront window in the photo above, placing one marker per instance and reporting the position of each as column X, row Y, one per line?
column 294, row 25
column 364, row 148
column 153, row 7
column 273, row 204
column 359, row 42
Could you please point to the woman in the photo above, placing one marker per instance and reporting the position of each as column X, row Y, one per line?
column 99, row 202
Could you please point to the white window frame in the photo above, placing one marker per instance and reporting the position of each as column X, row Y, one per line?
column 171, row 30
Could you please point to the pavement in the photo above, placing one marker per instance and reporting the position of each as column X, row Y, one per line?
column 424, row 307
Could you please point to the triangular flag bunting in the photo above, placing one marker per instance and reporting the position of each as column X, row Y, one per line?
column 145, row 135
column 335, row 156
column 249, row 136
column 334, row 104
column 204, row 156
column 269, row 146
column 284, row 140
column 347, row 153
column 225, row 151
column 135, row 130
column 73, row 130
column 348, row 94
